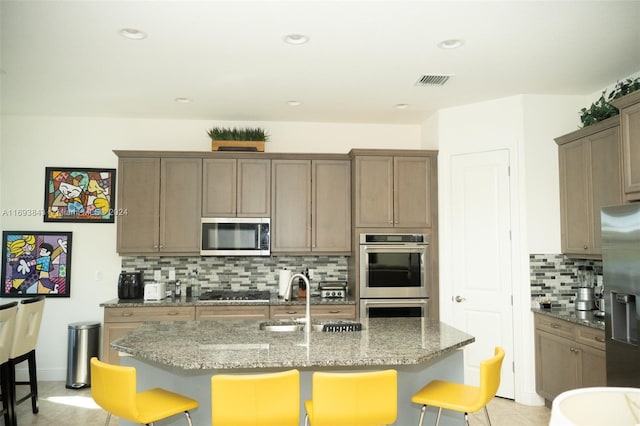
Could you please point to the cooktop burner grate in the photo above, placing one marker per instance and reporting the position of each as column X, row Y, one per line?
column 236, row 295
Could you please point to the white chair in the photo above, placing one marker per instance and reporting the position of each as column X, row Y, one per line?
column 23, row 348
column 7, row 327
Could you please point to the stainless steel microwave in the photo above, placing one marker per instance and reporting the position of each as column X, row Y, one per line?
column 235, row 236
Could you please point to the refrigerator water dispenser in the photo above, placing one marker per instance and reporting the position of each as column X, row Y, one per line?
column 624, row 323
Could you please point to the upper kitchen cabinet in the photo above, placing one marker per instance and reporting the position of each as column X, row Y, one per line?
column 590, row 178
column 311, row 207
column 162, row 198
column 629, row 106
column 394, row 189
column 331, row 206
column 236, row 187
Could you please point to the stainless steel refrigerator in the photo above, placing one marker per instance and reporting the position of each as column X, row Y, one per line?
column 621, row 279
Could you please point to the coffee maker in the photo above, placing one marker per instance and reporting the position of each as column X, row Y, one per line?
column 130, row 285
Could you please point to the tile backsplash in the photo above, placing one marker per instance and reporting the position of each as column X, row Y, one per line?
column 238, row 273
column 554, row 277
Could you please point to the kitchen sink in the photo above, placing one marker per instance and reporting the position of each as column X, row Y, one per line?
column 326, row 326
column 281, row 326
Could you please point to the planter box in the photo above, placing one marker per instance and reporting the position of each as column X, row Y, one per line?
column 255, row 146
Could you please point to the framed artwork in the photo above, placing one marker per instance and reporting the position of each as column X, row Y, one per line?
column 79, row 195
column 36, row 263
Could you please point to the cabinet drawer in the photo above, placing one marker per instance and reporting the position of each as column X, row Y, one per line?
column 590, row 336
column 287, row 312
column 334, row 311
column 156, row 313
column 555, row 326
column 231, row 312
column 317, row 311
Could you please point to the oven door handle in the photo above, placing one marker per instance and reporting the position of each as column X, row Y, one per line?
column 389, row 247
column 395, row 302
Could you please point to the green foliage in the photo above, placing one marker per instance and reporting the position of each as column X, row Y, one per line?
column 234, row 134
column 602, row 108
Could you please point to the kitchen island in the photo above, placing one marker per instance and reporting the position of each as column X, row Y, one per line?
column 182, row 356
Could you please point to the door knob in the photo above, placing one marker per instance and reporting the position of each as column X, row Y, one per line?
column 459, row 299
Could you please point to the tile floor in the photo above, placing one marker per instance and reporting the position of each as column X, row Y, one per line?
column 61, row 406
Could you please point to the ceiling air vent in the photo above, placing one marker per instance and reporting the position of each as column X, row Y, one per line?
column 432, row 80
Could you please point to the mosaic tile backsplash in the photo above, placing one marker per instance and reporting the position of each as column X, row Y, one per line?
column 554, row 277
column 238, row 273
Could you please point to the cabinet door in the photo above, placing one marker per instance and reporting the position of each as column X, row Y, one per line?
column 139, row 194
column 374, row 191
column 412, row 192
column 111, row 332
column 574, row 197
column 180, row 201
column 254, row 188
column 555, row 365
column 630, row 122
column 331, row 206
column 592, row 367
column 219, row 187
column 291, row 206
column 605, row 179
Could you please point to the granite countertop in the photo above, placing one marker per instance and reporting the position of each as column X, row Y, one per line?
column 193, row 301
column 578, row 317
column 240, row 344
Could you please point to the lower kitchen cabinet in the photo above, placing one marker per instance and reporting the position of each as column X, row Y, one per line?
column 204, row 313
column 284, row 312
column 568, row 356
column 120, row 321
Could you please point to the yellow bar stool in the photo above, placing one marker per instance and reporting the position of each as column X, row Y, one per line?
column 113, row 387
column 463, row 398
column 266, row 399
column 353, row 399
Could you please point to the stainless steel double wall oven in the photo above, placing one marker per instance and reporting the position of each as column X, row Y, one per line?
column 394, row 275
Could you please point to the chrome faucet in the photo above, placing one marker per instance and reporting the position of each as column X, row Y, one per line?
column 287, row 297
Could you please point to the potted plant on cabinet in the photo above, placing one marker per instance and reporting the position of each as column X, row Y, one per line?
column 234, row 139
column 602, row 108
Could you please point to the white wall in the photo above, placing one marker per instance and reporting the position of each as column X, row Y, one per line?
column 29, row 144
column 525, row 126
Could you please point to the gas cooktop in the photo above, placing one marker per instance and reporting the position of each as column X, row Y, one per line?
column 235, row 295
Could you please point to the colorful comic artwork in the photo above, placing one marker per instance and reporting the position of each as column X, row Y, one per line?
column 36, row 263
column 79, row 195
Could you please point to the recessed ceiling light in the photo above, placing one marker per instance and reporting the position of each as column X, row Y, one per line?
column 133, row 34
column 182, row 100
column 452, row 43
column 296, row 38
column 402, row 106
column 294, row 103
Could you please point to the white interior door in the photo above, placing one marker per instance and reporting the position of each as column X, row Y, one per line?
column 481, row 259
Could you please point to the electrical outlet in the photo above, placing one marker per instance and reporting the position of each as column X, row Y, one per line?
column 172, row 274
column 310, row 274
column 157, row 275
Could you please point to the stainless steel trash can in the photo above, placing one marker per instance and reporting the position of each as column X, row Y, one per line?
column 83, row 343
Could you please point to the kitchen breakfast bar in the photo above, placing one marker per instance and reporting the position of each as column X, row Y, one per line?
column 183, row 355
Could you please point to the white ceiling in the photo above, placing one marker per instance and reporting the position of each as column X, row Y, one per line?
column 363, row 57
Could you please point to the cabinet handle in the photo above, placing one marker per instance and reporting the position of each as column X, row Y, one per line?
column 599, row 339
column 173, row 314
column 585, row 247
column 552, row 325
column 291, row 312
column 127, row 314
column 334, row 312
